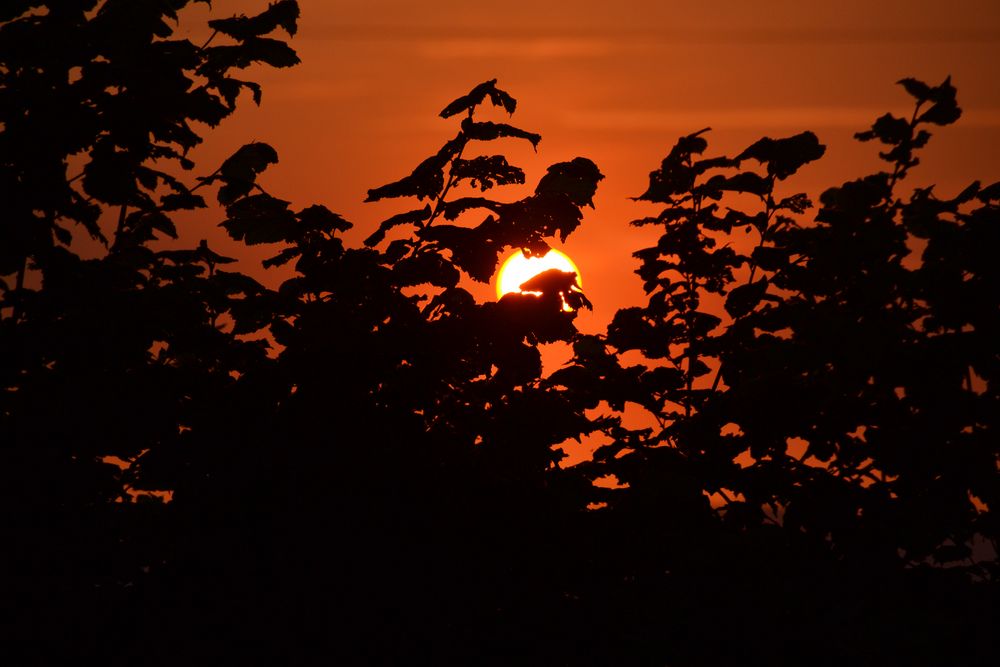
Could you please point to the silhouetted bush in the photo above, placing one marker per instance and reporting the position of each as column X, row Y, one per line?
column 362, row 464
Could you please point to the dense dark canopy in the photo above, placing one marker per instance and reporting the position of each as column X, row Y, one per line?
column 362, row 466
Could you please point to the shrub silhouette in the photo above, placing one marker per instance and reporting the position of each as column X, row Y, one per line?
column 832, row 345
column 362, row 463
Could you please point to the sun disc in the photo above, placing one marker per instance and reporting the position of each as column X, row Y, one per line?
column 518, row 269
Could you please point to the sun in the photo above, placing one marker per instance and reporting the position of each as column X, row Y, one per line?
column 518, row 269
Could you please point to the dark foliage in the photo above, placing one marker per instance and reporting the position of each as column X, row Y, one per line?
column 362, row 466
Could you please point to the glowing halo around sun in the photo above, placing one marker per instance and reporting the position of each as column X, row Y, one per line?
column 518, row 269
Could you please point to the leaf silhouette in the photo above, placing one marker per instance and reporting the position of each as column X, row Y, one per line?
column 489, row 131
column 476, row 96
column 409, row 218
column 283, row 14
column 259, row 219
column 263, row 50
column 784, row 157
column 239, row 171
column 577, row 180
column 486, row 171
column 675, row 175
column 743, row 299
column 426, row 180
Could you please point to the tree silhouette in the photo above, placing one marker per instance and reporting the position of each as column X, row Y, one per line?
column 362, row 464
column 839, row 424
column 437, row 428
column 112, row 347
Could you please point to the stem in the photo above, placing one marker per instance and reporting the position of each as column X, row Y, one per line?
column 202, row 182
column 897, row 171
column 717, row 379
column 447, row 186
column 692, row 357
column 121, row 224
column 208, row 41
column 769, row 203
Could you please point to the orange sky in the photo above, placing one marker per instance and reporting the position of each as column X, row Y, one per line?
column 615, row 82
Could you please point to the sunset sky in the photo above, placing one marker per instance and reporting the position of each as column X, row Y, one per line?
column 614, row 82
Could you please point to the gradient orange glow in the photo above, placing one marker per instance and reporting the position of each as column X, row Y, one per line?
column 613, row 82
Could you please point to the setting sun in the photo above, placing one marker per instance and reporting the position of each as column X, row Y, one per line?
column 518, row 269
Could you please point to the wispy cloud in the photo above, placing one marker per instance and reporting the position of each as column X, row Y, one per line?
column 578, row 37
column 530, row 48
column 742, row 118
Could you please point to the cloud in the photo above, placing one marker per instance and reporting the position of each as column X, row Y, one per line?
column 314, row 90
column 531, row 48
column 742, row 118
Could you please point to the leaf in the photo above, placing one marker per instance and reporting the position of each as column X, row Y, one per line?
column 409, row 218
column 942, row 113
column 797, row 203
column 250, row 160
column 471, row 249
column 62, row 234
column 888, row 129
column 283, row 14
column 475, row 97
column 701, row 166
column 456, row 207
column 692, row 144
column 259, row 219
column 211, row 257
column 989, row 193
column 575, row 299
column 237, row 283
column 283, row 257
column 240, row 170
column 230, row 89
column 770, row 258
column 518, row 364
column 577, row 180
column 181, row 201
column 552, row 280
column 745, row 181
column 630, row 330
column 453, row 301
column 784, row 157
column 425, row 268
column 273, row 52
column 110, row 176
column 488, row 131
column 397, row 250
column 966, row 195
column 159, row 221
column 743, row 299
column 318, row 218
column 426, row 181
column 486, row 171
column 662, row 379
column 540, row 215
column 573, row 377
column 945, row 110
column 917, row 89
column 675, row 175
